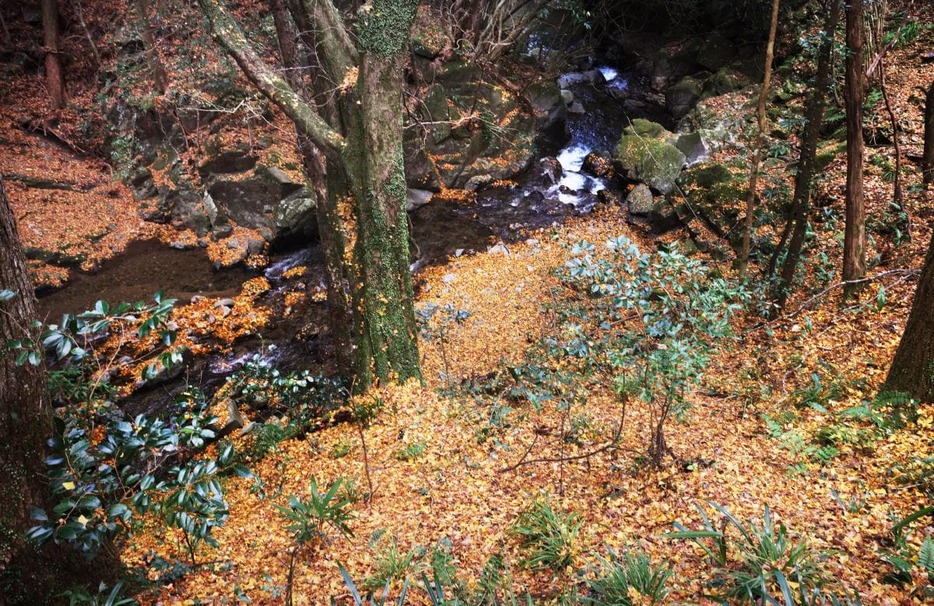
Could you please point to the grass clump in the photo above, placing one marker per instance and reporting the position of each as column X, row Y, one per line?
column 550, row 537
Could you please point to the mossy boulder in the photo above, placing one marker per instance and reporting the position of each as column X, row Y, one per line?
column 429, row 37
column 682, row 97
column 652, row 160
column 717, row 194
column 646, row 128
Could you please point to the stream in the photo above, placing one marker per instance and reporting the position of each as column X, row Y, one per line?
column 541, row 197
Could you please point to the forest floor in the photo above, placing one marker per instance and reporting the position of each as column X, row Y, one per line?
column 443, row 473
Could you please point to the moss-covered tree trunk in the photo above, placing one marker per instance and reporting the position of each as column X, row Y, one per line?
column 388, row 343
column 350, row 136
column 912, row 369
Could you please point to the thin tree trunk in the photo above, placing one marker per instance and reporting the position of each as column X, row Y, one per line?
column 912, row 369
column 7, row 38
column 159, row 78
column 743, row 261
column 854, row 238
column 897, row 196
column 801, row 198
column 927, row 159
column 54, row 76
column 87, row 34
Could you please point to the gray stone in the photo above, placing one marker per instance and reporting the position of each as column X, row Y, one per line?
column 640, row 200
column 692, row 146
column 416, row 198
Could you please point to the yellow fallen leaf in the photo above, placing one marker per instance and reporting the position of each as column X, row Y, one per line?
column 68, row 485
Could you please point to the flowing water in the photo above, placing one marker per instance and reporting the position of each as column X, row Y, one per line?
column 540, row 198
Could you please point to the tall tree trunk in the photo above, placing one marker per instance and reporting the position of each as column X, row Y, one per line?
column 159, row 78
column 382, row 247
column 912, row 369
column 854, row 238
column 743, row 261
column 54, row 76
column 357, row 129
column 24, row 425
column 807, row 156
column 927, row 160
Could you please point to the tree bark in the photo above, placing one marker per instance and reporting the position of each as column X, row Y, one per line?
column 54, row 76
column 353, row 140
column 912, row 370
column 807, row 156
column 927, row 160
column 854, row 238
column 761, row 125
column 24, row 425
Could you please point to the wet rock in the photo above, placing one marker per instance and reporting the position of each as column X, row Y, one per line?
column 567, row 96
column 692, row 146
column 593, row 76
column 295, row 218
column 534, row 198
column 598, row 166
column 576, row 108
column 551, row 171
column 416, row 198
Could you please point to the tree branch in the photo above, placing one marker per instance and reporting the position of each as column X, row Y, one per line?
column 228, row 33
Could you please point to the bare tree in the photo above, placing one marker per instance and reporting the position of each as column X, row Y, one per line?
column 854, row 237
column 761, row 125
column 801, row 198
column 927, row 159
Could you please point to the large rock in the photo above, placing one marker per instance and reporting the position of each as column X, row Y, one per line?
column 640, row 200
column 654, row 160
column 682, row 97
column 717, row 195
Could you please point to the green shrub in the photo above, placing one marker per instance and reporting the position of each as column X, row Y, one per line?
column 675, row 310
column 309, row 519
